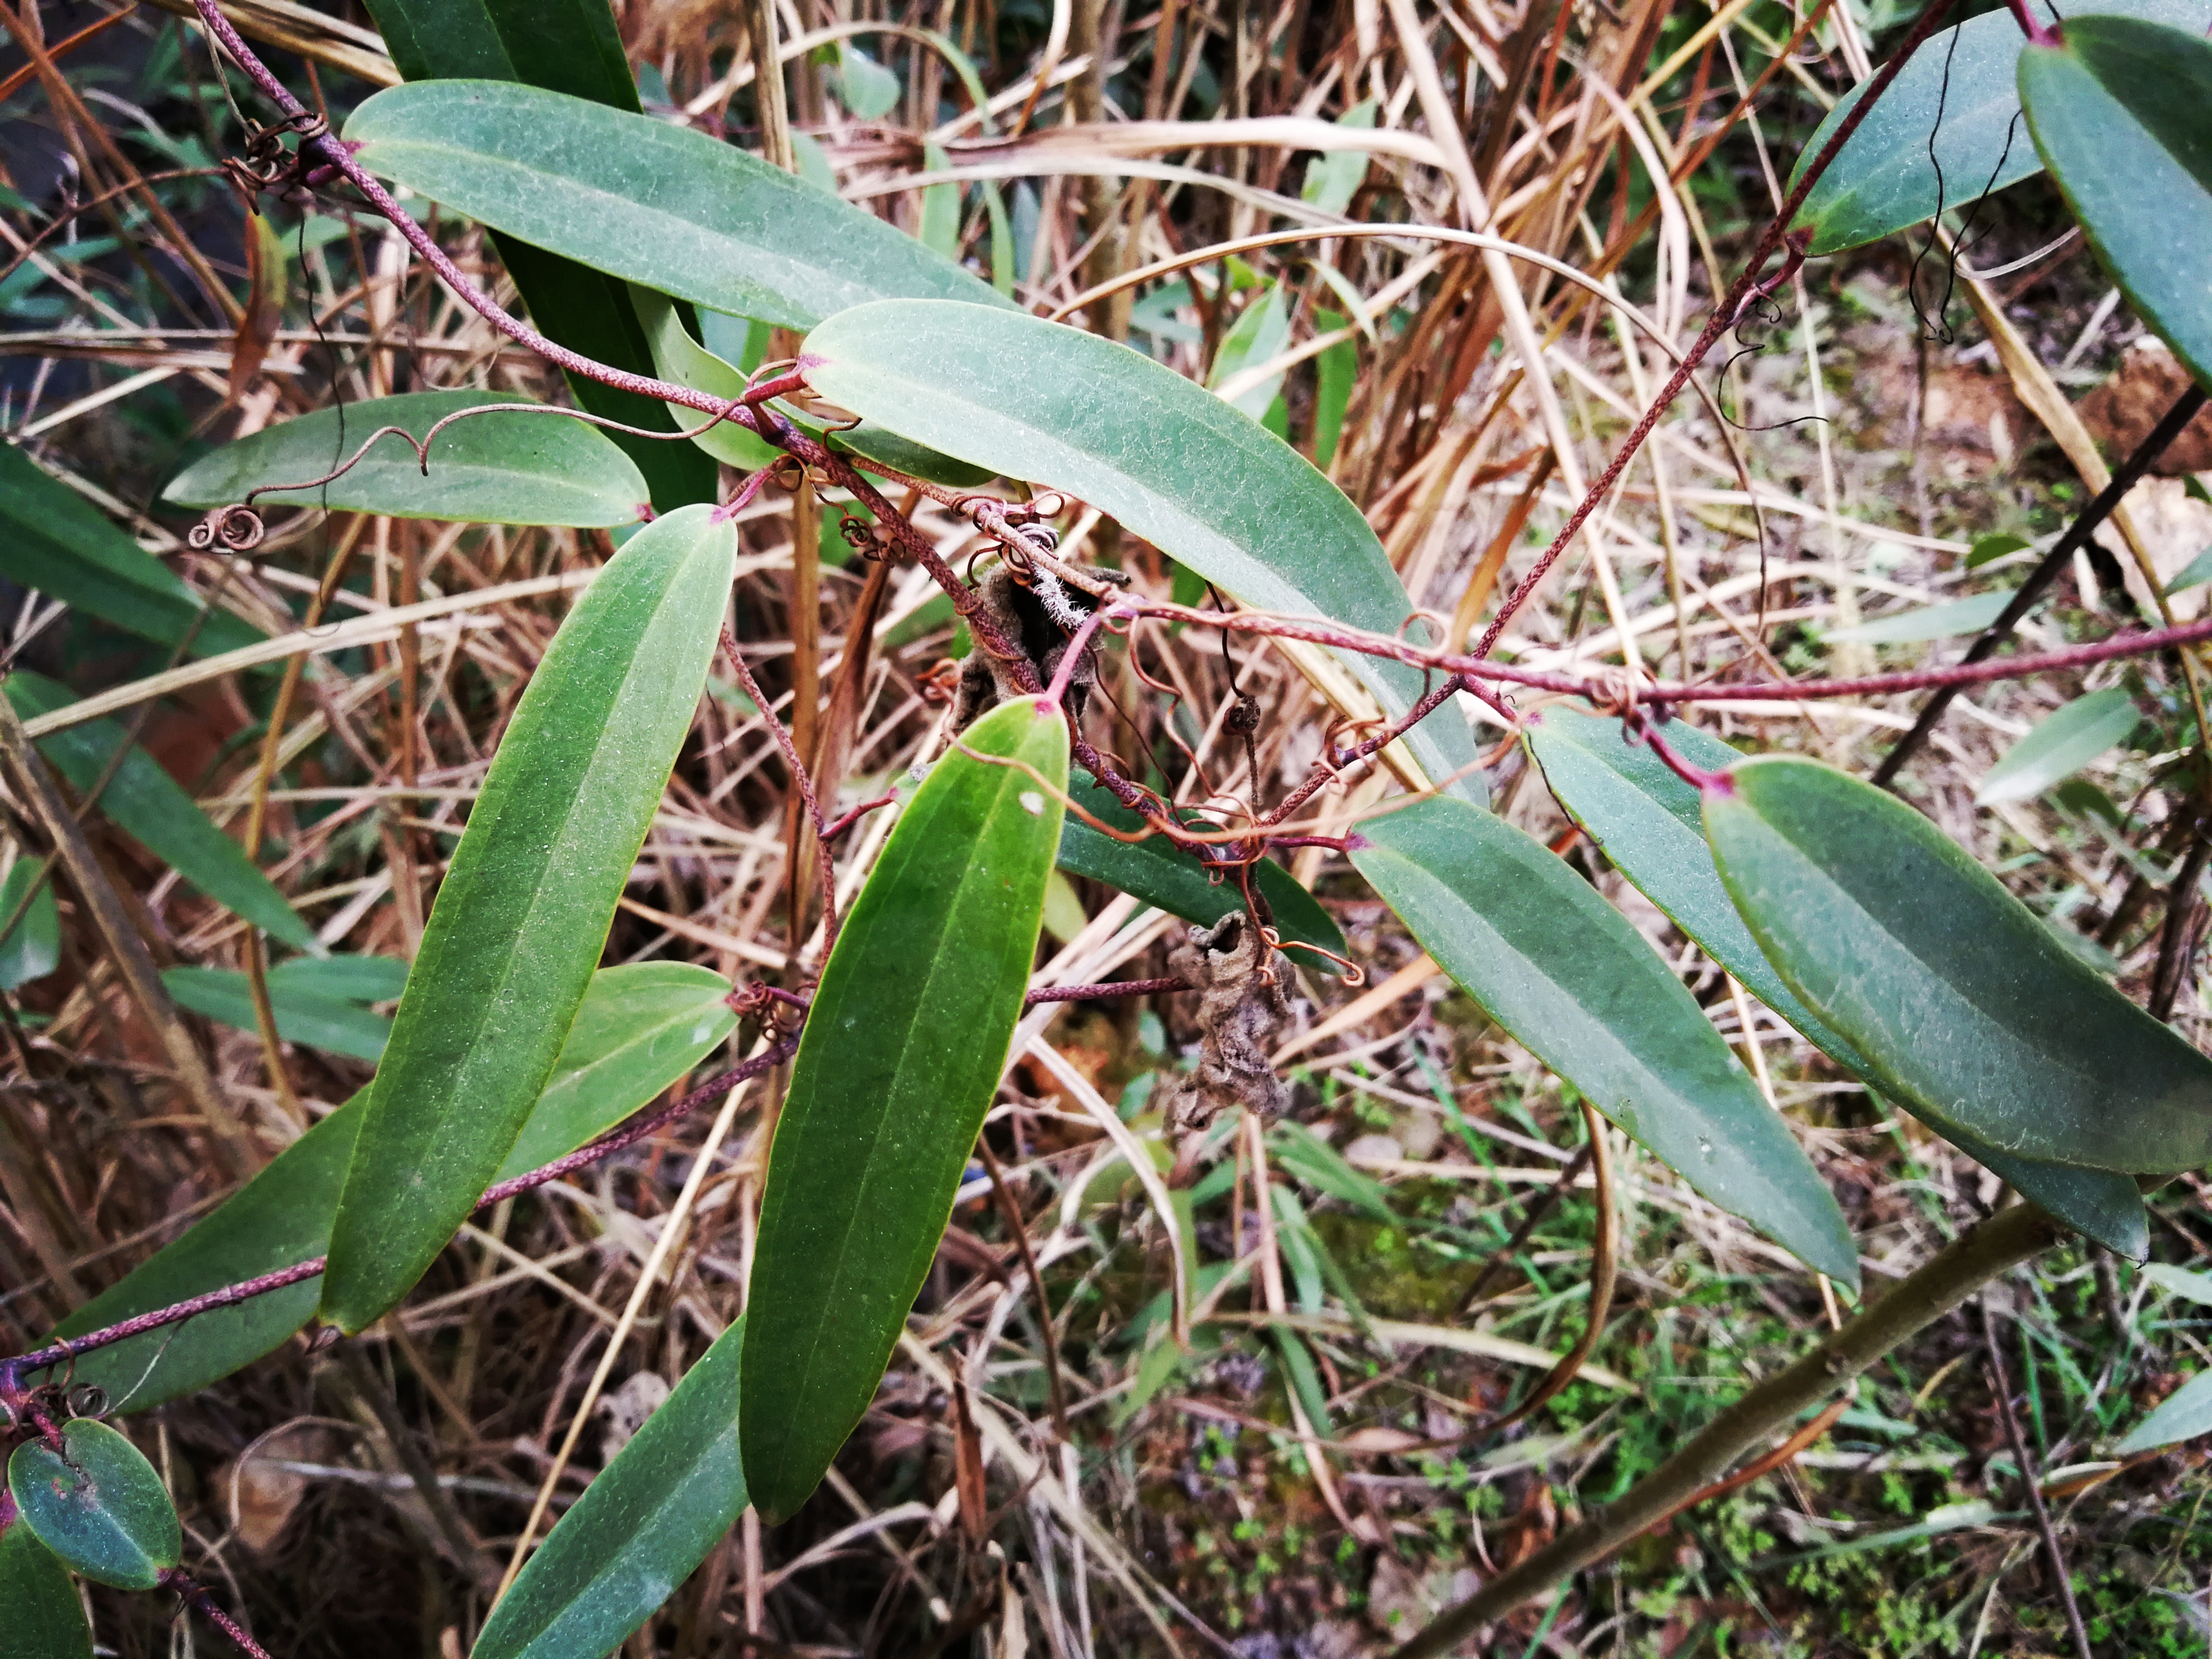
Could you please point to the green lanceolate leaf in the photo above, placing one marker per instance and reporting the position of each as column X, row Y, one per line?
column 654, row 205
column 1882, row 181
column 33, row 948
column 304, row 1017
column 1557, row 967
column 1928, row 622
column 98, row 1505
column 680, row 358
column 902, row 1054
column 507, row 468
column 1161, row 874
column 54, row 540
column 2185, row 1416
column 571, row 47
column 153, row 809
column 523, row 913
column 38, row 1606
column 641, row 1027
column 2118, row 114
column 1957, row 996
column 1651, row 823
column 2060, row 746
column 347, row 978
column 1172, row 462
column 645, row 1521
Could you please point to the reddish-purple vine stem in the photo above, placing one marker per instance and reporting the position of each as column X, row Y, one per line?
column 197, row 1595
column 1723, row 319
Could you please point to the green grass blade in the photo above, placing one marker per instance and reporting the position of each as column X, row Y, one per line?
column 152, row 808
column 901, row 1055
column 54, row 540
column 524, row 911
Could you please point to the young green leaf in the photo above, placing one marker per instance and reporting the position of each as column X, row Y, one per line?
column 2118, row 112
column 641, row 1026
column 2180, row 1281
column 863, row 86
column 939, row 230
column 2187, row 1415
column 1957, row 996
column 659, row 205
column 524, row 910
column 153, row 809
column 1156, row 871
column 508, row 468
column 1334, row 177
column 1956, row 96
column 2060, row 746
column 645, row 1521
column 55, row 541
column 1034, row 400
column 38, row 1606
column 1557, row 967
column 571, row 47
column 900, row 1058
column 1260, row 333
column 680, row 358
column 304, row 1017
column 33, row 948
column 2197, row 572
column 98, row 1505
column 1651, row 823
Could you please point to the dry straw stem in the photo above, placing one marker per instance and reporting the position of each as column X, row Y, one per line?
column 1993, row 1247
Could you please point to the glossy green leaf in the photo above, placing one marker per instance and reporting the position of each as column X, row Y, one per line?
column 1172, row 462
column 2186, row 1414
column 2118, row 114
column 303, row 1017
column 1988, row 548
column 524, row 910
column 2060, row 746
column 508, row 468
column 659, row 205
column 100, row 1509
column 1557, row 967
column 1651, row 823
column 152, row 808
column 348, row 978
column 678, row 357
column 1928, row 622
column 1954, row 993
column 38, row 1605
column 54, row 540
column 639, row 1030
column 645, row 1521
column 643, row 1026
column 899, row 1063
column 571, row 47
column 1156, row 871
column 1883, row 181
column 33, row 948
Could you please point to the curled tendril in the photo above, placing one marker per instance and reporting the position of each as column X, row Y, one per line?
column 87, row 1400
column 268, row 166
column 236, row 529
